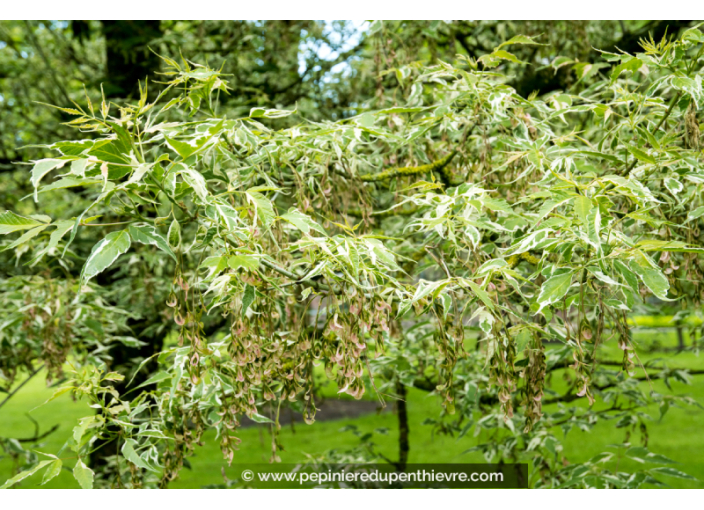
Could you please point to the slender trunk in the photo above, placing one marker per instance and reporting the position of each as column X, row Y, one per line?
column 129, row 58
column 680, row 339
column 402, row 411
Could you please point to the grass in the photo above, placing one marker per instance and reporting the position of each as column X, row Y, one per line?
column 677, row 436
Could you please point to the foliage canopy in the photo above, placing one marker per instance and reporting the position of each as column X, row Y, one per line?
column 371, row 247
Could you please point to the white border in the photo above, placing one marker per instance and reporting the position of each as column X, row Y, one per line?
column 366, row 9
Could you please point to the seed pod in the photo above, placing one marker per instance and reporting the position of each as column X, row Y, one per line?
column 691, row 128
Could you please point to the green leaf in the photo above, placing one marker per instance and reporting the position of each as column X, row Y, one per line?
column 11, row 222
column 603, row 277
column 495, row 58
column 196, row 181
column 247, row 298
column 83, row 474
column 147, row 234
column 554, row 289
column 697, row 213
column 43, row 167
column 263, row 206
column 174, row 235
column 654, row 280
column 258, row 418
column 528, row 242
column 68, row 182
column 153, row 433
column 83, row 425
column 688, row 86
column 105, row 253
column 129, row 452
column 183, row 149
column 668, row 471
column 62, row 226
column 270, row 113
column 582, row 207
column 246, row 261
column 214, row 265
column 303, row 222
column 548, row 207
column 673, row 185
column 25, row 474
column 480, row 293
column 641, row 155
column 519, row 39
column 30, row 234
column 426, row 288
column 138, row 174
column 52, row 471
column 631, row 64
column 671, row 246
column 491, row 265
column 57, row 393
column 694, row 35
column 485, row 318
column 124, row 141
column 158, row 377
column 496, row 204
column 505, row 55
column 110, row 151
column 594, row 228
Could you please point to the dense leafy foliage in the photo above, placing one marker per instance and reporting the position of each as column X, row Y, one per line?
column 371, row 248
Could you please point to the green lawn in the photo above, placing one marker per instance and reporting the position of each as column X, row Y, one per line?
column 678, row 436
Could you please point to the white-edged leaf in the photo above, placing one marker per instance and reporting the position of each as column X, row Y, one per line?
column 147, row 234
column 25, row 474
column 43, row 167
column 83, row 474
column 603, row 277
column 654, row 280
column 11, row 222
column 519, row 39
column 554, row 289
column 62, row 226
column 696, row 213
column 174, row 235
column 196, row 181
column 105, row 253
column 485, row 318
column 673, row 185
column 129, row 452
column 138, row 174
column 263, row 207
column 303, row 222
column 52, row 471
column 30, row 234
column 246, row 261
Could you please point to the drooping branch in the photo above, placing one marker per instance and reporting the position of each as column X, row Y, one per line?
column 570, row 397
column 430, row 386
column 21, row 385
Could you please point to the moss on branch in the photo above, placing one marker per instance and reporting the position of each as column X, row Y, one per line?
column 435, row 166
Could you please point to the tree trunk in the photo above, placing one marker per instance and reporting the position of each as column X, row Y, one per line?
column 680, row 339
column 402, row 411
column 129, row 58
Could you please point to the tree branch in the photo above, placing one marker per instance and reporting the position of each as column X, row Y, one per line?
column 13, row 392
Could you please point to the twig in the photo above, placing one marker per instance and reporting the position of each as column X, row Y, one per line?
column 12, row 393
column 39, row 437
